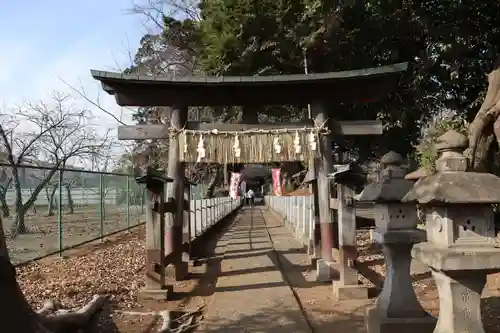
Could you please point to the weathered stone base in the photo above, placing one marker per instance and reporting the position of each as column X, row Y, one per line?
column 376, row 323
column 326, row 271
column 343, row 292
column 155, row 294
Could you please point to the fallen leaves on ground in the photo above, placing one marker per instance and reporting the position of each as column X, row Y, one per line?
column 116, row 270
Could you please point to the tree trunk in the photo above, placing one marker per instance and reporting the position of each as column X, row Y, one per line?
column 51, row 200
column 3, row 202
column 14, row 309
column 70, row 199
column 482, row 125
column 31, row 194
column 18, row 226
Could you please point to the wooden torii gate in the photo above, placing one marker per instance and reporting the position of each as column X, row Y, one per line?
column 192, row 141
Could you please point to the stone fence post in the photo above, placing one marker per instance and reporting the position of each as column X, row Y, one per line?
column 460, row 245
column 397, row 308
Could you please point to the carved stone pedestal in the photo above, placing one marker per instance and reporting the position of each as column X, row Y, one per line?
column 460, row 301
column 397, row 307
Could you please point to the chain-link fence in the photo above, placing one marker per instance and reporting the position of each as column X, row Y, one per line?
column 46, row 211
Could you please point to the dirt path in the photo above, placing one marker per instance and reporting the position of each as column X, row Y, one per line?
column 252, row 294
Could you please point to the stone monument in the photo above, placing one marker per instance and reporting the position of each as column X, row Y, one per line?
column 397, row 308
column 460, row 247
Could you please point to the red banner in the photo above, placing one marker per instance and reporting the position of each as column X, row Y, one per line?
column 276, row 181
column 234, row 184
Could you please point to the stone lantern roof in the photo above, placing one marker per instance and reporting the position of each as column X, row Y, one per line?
column 452, row 183
column 392, row 186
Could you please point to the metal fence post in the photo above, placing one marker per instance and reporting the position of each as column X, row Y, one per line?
column 127, row 201
column 101, row 205
column 84, row 203
column 60, row 214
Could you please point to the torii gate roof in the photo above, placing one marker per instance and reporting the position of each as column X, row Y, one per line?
column 360, row 85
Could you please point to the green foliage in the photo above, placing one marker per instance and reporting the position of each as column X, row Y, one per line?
column 426, row 151
column 449, row 43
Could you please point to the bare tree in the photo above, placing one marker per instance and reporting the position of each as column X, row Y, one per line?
column 51, row 134
column 52, row 187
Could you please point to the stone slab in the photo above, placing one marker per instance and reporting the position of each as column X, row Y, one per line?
column 457, row 258
column 409, row 236
column 376, row 323
column 155, row 294
column 349, row 292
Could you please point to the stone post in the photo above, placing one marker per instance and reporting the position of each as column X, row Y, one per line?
column 397, row 308
column 460, row 245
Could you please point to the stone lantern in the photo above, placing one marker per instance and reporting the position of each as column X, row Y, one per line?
column 460, row 245
column 397, row 308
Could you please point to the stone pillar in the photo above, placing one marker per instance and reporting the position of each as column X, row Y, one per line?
column 460, row 245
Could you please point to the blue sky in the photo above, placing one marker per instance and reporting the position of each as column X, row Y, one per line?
column 43, row 41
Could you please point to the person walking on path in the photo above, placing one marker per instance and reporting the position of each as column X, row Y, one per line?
column 250, row 197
